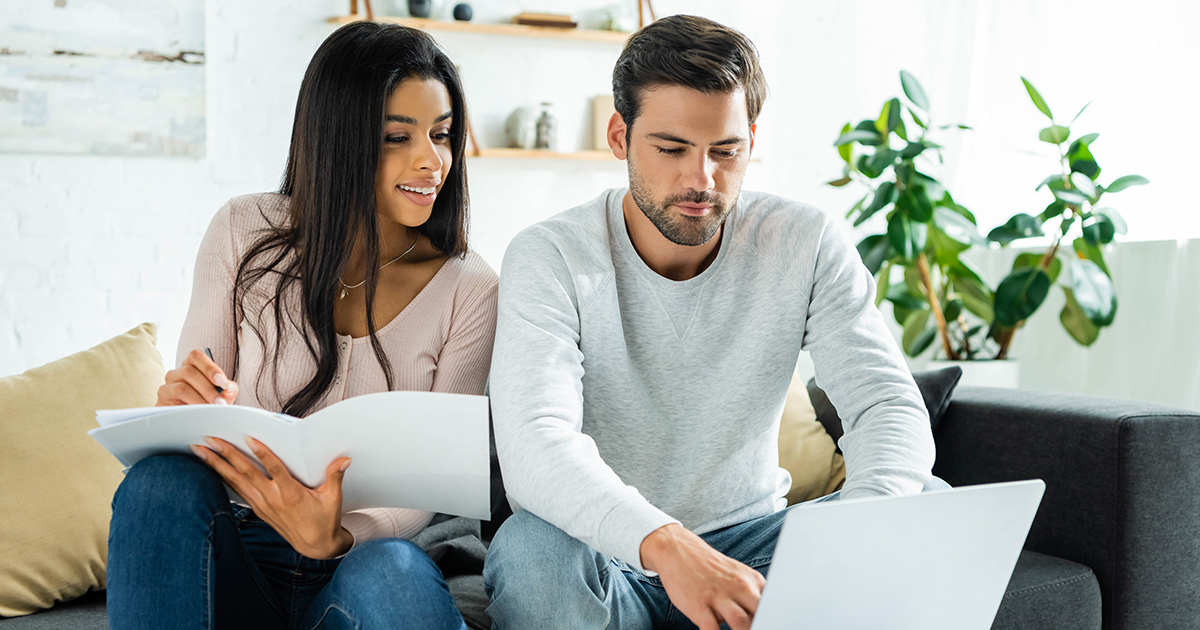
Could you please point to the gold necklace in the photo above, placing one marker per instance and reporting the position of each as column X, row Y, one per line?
column 347, row 287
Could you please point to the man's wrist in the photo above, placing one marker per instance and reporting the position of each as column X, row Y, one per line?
column 655, row 544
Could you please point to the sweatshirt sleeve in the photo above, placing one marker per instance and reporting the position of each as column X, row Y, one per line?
column 210, row 319
column 888, row 443
column 550, row 467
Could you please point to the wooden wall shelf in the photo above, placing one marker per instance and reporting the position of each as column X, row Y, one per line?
column 516, row 30
column 543, row 154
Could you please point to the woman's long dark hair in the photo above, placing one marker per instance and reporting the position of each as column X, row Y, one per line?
column 337, row 139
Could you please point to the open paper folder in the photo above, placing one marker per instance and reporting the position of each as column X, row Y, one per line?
column 420, row 450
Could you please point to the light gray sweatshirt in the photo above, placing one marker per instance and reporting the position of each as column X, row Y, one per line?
column 624, row 401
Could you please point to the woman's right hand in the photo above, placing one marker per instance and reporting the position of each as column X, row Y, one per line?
column 196, row 383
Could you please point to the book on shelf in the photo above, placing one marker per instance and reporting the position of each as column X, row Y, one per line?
column 420, row 450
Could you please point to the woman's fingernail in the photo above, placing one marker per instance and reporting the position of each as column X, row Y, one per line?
column 345, row 465
column 220, row 401
column 212, row 444
column 253, row 444
column 220, row 381
column 198, row 451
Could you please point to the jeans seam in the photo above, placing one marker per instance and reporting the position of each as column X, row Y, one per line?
column 339, row 608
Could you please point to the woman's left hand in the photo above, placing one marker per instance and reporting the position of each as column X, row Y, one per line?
column 309, row 519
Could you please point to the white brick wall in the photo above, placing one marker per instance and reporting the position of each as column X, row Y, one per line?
column 92, row 246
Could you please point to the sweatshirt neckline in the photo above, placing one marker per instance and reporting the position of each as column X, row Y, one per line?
column 616, row 226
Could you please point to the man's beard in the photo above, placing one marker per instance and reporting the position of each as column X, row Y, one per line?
column 678, row 228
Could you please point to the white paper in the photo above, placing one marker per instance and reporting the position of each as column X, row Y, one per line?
column 419, row 450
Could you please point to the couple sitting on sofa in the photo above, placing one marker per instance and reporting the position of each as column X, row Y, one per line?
column 640, row 349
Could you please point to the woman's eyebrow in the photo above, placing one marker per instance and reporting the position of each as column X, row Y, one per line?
column 412, row 121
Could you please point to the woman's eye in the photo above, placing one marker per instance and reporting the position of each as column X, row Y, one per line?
column 443, row 136
column 397, row 139
column 665, row 151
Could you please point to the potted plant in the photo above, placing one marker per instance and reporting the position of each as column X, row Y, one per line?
column 937, row 296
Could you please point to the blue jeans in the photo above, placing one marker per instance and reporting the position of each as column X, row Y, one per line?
column 538, row 577
column 180, row 555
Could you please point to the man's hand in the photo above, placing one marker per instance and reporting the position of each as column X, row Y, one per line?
column 309, row 519
column 704, row 584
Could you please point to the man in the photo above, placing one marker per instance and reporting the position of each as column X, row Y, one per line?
column 644, row 348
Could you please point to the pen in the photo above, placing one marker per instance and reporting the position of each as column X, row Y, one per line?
column 210, row 358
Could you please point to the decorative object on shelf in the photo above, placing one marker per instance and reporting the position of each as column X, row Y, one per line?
column 1091, row 302
column 619, row 18
column 553, row 20
column 367, row 6
column 420, row 8
column 547, row 130
column 521, row 127
column 602, row 110
column 463, row 12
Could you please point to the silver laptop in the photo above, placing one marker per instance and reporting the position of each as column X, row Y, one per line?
column 934, row 561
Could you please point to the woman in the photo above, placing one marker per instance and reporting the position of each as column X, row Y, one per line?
column 355, row 278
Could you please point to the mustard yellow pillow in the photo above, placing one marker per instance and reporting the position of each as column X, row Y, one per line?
column 56, row 483
column 806, row 450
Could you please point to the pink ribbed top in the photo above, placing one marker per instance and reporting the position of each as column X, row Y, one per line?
column 441, row 342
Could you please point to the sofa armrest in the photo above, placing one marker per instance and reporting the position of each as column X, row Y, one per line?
column 1122, row 489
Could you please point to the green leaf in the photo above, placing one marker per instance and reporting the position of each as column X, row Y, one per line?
column 1118, row 221
column 882, row 282
column 902, row 131
column 1089, row 138
column 873, row 250
column 913, row 90
column 964, row 127
column 957, row 227
column 1020, row 294
column 1076, row 321
column 881, row 123
column 1081, row 160
column 1053, row 210
column 915, row 324
column 1099, row 231
column 882, row 159
column 906, row 236
column 1093, row 292
column 1087, row 251
column 923, row 341
column 1054, row 134
column 1121, row 183
column 920, row 208
column 884, row 195
column 1071, row 196
column 1038, row 101
column 1050, row 179
column 945, row 249
column 912, row 150
column 893, row 114
column 838, row 183
column 1084, row 185
column 970, row 286
column 902, row 295
column 1018, row 227
column 1080, row 114
column 917, row 119
column 948, row 202
column 846, row 150
column 952, row 309
column 1031, row 260
column 861, row 137
column 858, row 205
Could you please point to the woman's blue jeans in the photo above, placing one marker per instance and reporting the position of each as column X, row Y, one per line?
column 180, row 555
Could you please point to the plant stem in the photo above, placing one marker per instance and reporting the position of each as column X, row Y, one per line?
column 938, row 316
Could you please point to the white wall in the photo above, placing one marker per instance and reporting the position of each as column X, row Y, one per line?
column 91, row 246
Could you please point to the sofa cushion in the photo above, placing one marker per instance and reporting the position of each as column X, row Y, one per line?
column 936, row 387
column 806, row 450
column 58, row 483
column 1049, row 593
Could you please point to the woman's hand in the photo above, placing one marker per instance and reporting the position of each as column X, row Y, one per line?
column 309, row 519
column 196, row 383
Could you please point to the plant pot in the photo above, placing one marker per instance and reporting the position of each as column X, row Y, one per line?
column 1005, row 373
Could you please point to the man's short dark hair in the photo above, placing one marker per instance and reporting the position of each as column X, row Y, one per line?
column 691, row 51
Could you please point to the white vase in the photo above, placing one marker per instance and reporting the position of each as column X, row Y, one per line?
column 1004, row 373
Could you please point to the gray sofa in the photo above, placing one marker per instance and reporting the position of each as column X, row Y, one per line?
column 1115, row 544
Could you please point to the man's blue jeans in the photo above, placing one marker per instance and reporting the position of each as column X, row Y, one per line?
column 539, row 578
column 180, row 555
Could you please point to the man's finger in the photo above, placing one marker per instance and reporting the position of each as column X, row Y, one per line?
column 270, row 461
column 734, row 615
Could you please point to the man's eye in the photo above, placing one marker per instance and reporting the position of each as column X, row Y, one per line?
column 726, row 154
column 666, row 151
